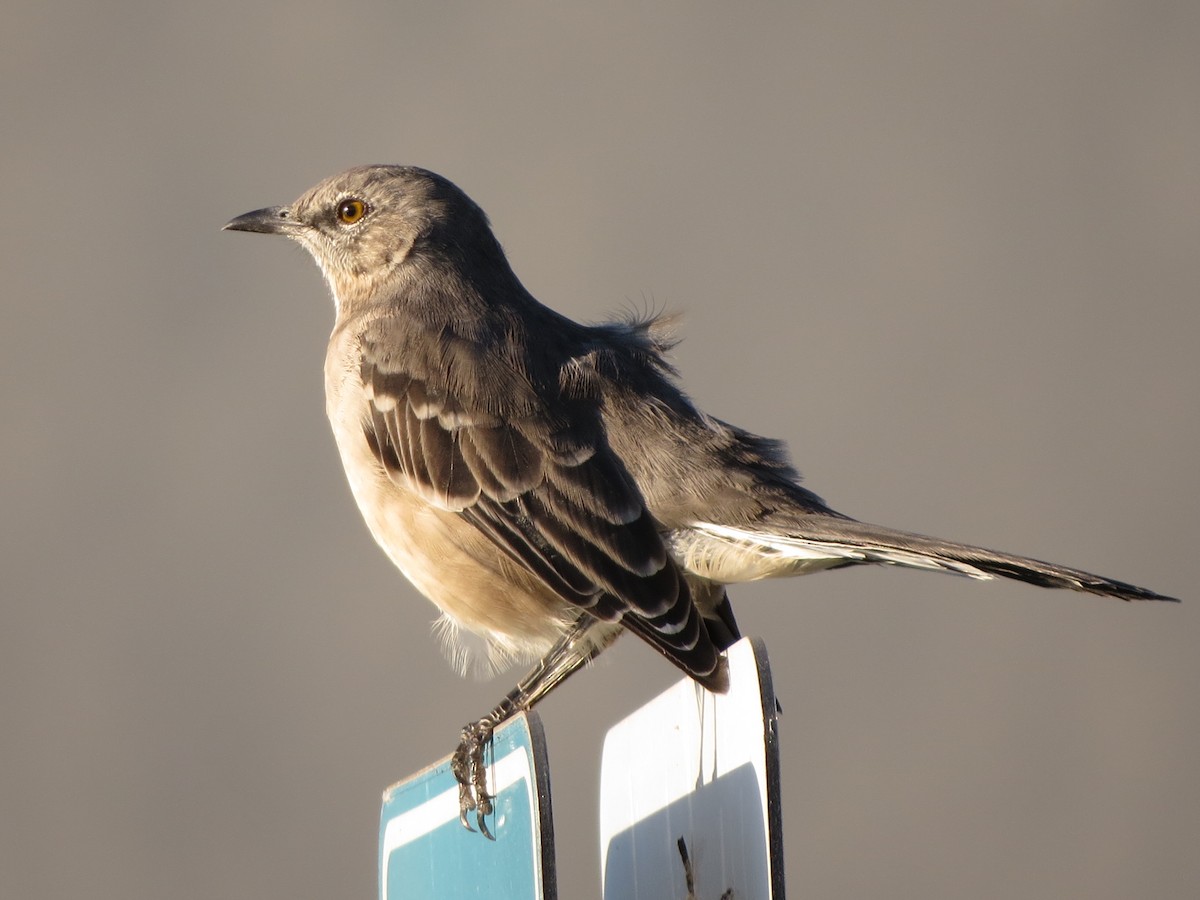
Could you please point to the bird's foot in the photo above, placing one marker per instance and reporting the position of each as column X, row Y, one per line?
column 470, row 772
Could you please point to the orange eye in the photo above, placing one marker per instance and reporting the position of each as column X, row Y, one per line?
column 350, row 211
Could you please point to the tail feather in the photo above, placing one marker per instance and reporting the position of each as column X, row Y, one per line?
column 731, row 554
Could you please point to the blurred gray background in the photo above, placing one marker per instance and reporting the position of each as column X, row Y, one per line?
column 949, row 252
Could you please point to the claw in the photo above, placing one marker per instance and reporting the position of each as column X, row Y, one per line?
column 470, row 771
column 483, row 829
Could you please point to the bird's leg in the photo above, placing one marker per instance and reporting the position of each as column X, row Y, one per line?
column 572, row 651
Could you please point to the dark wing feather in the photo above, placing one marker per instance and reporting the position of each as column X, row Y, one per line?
column 545, row 487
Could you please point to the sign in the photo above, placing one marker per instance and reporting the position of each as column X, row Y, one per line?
column 689, row 786
column 424, row 851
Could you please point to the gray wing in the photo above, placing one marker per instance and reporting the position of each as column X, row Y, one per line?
column 540, row 481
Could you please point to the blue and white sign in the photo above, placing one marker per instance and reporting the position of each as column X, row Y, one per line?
column 424, row 851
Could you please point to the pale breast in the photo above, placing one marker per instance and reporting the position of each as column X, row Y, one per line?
column 473, row 583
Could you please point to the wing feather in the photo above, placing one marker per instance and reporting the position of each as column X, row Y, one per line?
column 543, row 485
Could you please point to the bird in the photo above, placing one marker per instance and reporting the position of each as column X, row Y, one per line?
column 548, row 484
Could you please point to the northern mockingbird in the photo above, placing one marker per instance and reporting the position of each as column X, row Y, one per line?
column 547, row 484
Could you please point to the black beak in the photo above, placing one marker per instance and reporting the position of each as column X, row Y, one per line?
column 272, row 220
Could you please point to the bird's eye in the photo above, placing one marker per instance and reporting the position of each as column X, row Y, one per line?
column 351, row 210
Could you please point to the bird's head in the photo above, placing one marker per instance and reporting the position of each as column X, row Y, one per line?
column 372, row 228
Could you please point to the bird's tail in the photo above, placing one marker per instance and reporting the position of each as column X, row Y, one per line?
column 730, row 554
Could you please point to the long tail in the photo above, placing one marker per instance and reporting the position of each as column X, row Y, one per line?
column 731, row 554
